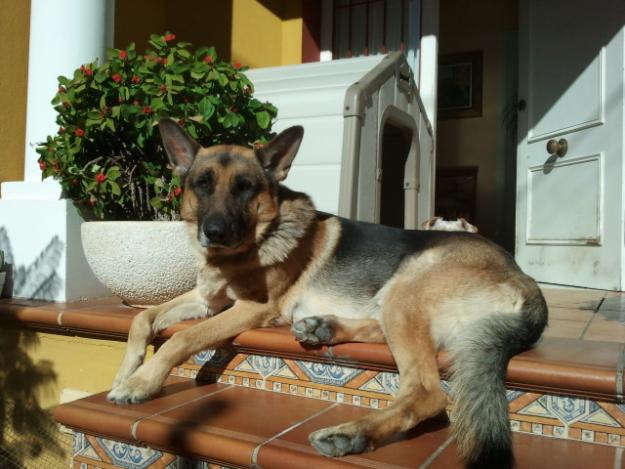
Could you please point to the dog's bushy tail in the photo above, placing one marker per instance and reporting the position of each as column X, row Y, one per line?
column 480, row 359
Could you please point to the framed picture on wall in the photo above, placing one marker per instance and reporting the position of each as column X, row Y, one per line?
column 460, row 85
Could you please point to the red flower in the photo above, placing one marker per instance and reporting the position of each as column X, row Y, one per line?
column 61, row 89
column 86, row 71
column 169, row 37
column 100, row 178
column 208, row 59
column 135, row 79
column 123, row 54
column 116, row 77
column 42, row 165
column 61, row 130
column 163, row 88
column 180, row 121
column 237, row 65
column 177, row 191
column 147, row 110
column 79, row 132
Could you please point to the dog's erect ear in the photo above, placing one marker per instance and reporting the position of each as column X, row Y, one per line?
column 466, row 226
column 428, row 224
column 277, row 155
column 180, row 148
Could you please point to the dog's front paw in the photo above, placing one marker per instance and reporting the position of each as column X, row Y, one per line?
column 314, row 330
column 131, row 391
column 335, row 442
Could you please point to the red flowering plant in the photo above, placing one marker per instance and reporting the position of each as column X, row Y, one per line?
column 107, row 153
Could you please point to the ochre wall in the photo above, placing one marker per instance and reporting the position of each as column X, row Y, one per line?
column 474, row 141
column 80, row 364
column 14, row 29
column 267, row 33
column 200, row 22
column 256, row 33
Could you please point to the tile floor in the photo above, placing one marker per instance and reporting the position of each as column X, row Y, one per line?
column 585, row 314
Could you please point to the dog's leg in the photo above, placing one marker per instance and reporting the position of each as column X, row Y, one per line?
column 152, row 320
column 420, row 396
column 330, row 329
column 149, row 377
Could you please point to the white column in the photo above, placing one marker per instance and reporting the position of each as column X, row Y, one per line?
column 63, row 35
column 39, row 231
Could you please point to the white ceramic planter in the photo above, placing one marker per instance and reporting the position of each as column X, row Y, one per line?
column 143, row 262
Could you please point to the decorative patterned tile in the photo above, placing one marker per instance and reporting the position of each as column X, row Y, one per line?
column 551, row 415
column 129, row 456
column 90, row 452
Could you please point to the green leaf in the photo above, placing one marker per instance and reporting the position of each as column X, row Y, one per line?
column 156, row 202
column 157, row 104
column 115, row 189
column 263, row 119
column 100, row 76
column 206, row 108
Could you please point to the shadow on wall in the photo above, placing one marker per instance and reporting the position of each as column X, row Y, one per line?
column 26, row 430
column 200, row 22
column 39, row 280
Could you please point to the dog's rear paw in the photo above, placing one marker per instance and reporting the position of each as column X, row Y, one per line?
column 334, row 442
column 314, row 330
column 131, row 391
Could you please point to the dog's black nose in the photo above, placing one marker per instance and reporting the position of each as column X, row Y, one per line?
column 216, row 230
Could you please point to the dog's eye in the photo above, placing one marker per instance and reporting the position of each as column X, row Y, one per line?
column 242, row 185
column 205, row 182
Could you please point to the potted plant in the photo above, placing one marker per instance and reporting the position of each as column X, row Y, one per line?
column 108, row 157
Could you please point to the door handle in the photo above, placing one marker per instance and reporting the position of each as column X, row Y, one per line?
column 557, row 148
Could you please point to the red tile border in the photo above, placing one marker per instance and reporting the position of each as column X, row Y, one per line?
column 556, row 365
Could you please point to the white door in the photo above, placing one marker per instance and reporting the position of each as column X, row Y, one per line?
column 570, row 208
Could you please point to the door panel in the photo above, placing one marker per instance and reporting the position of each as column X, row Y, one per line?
column 561, row 58
column 578, row 183
column 569, row 207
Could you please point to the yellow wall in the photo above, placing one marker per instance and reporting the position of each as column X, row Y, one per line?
column 200, row 22
column 80, row 364
column 256, row 33
column 14, row 29
column 266, row 33
column 474, row 141
column 292, row 25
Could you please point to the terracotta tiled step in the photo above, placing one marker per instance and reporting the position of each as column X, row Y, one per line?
column 585, row 369
column 238, row 427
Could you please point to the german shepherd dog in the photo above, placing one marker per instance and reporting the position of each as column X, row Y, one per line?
column 269, row 259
